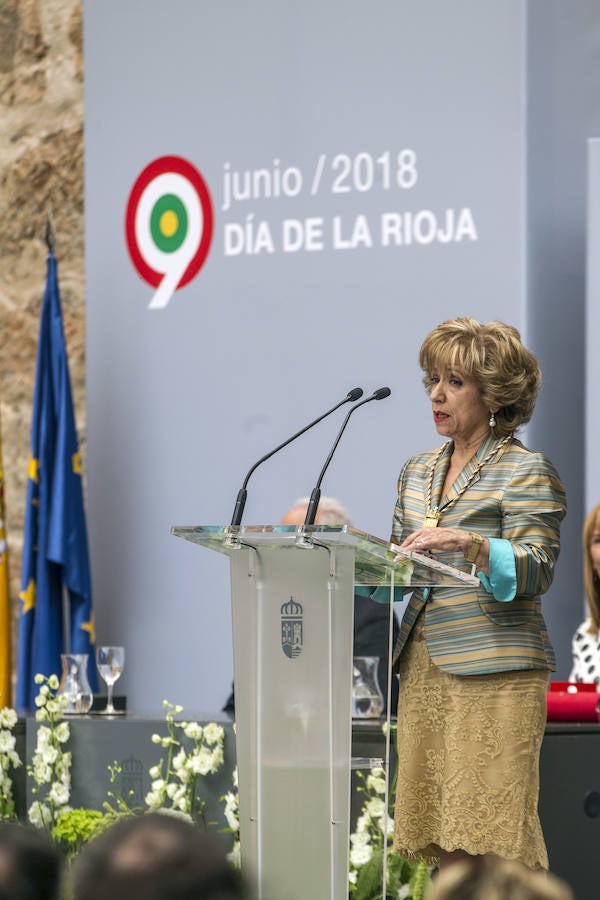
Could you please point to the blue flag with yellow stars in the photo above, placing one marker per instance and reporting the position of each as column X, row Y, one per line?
column 55, row 549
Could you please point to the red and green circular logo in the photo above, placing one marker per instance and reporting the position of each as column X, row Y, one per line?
column 169, row 225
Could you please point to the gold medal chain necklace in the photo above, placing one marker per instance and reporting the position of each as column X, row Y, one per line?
column 432, row 515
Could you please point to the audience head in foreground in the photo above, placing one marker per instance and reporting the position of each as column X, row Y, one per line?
column 493, row 878
column 30, row 864
column 156, row 857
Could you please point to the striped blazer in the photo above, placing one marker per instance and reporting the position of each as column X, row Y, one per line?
column 518, row 496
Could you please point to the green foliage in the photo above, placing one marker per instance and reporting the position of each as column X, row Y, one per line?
column 404, row 879
column 78, row 826
column 419, row 880
column 117, row 806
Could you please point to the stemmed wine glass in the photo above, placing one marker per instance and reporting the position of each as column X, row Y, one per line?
column 110, row 662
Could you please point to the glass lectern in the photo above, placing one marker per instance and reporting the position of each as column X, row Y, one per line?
column 292, row 592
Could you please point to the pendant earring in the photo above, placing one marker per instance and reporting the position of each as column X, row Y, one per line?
column 492, row 422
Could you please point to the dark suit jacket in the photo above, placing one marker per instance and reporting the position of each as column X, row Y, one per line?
column 371, row 623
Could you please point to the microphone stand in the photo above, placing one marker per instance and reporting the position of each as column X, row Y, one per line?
column 315, row 496
column 240, row 502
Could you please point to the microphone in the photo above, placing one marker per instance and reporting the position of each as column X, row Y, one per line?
column 240, row 502
column 311, row 512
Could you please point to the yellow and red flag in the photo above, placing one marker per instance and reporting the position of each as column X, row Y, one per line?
column 5, row 617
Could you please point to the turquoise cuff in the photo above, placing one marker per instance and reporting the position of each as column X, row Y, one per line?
column 379, row 594
column 502, row 580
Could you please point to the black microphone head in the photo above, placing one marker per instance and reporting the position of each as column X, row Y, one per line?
column 355, row 394
column 382, row 393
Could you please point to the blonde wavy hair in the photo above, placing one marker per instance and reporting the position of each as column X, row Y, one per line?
column 507, row 373
column 591, row 581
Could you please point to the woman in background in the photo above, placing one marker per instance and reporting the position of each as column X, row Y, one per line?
column 586, row 640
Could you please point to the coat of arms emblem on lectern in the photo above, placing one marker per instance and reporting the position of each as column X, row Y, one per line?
column 292, row 628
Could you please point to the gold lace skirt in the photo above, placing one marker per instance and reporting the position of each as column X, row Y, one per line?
column 468, row 760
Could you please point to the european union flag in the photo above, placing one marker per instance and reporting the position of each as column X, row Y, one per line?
column 55, row 551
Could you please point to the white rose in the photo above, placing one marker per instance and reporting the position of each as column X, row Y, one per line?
column 63, row 763
column 232, row 820
column 43, row 735
column 7, row 741
column 375, row 807
column 235, row 857
column 40, row 815
column 61, row 732
column 375, row 783
column 360, row 839
column 217, row 760
column 8, row 717
column 59, row 794
column 176, row 794
column 193, row 730
column 179, row 760
column 360, row 854
column 201, row 762
column 213, row 733
column 153, row 799
column 362, row 823
column 48, row 754
column 41, row 771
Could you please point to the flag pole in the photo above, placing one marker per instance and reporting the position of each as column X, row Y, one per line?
column 66, row 604
column 50, row 233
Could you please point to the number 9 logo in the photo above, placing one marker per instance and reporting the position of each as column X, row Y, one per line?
column 168, row 225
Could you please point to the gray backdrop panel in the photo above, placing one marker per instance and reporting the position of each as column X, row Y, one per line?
column 181, row 401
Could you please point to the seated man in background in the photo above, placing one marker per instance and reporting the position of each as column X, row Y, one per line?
column 371, row 619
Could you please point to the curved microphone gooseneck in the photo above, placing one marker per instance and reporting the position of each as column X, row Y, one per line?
column 311, row 512
column 240, row 502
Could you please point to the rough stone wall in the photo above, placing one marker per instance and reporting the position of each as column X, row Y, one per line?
column 41, row 172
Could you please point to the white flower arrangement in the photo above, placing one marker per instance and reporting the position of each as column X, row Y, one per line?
column 193, row 751
column 174, row 784
column 232, row 815
column 9, row 760
column 50, row 767
column 372, row 838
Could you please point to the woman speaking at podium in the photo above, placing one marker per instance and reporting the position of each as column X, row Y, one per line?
column 474, row 663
